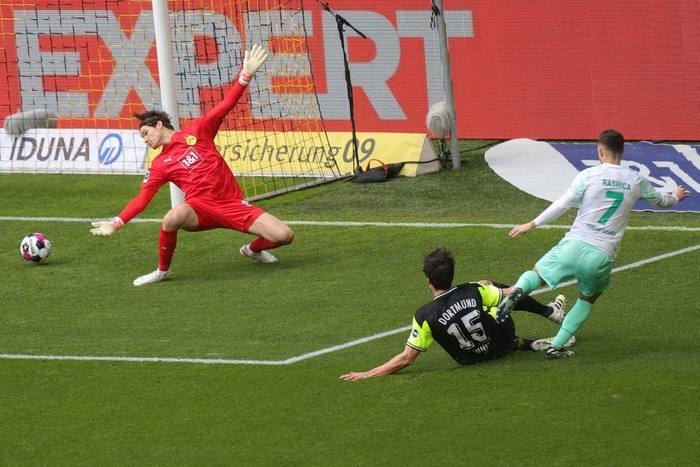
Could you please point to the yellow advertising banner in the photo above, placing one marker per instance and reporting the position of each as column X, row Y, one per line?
column 323, row 154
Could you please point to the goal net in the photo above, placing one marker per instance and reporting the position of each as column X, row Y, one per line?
column 72, row 73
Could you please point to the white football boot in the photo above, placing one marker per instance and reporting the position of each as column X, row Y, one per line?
column 542, row 344
column 559, row 307
column 263, row 256
column 155, row 276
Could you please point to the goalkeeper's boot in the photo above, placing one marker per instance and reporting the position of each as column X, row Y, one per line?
column 507, row 304
column 155, row 276
column 263, row 256
column 554, row 353
column 559, row 307
column 542, row 344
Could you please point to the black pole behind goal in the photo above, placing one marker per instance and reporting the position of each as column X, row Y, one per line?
column 343, row 22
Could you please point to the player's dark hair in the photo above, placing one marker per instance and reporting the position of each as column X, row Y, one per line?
column 439, row 267
column 613, row 141
column 152, row 117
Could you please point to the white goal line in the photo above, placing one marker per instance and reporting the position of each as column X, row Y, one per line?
column 87, row 220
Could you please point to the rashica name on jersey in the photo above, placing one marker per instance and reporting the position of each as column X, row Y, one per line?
column 616, row 184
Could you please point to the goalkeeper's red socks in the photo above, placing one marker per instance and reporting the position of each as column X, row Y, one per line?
column 260, row 244
column 167, row 241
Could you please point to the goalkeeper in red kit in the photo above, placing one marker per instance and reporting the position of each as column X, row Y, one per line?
column 213, row 198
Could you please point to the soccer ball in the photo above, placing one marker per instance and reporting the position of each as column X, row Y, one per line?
column 35, row 247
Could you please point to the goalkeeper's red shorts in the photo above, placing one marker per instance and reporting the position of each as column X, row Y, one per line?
column 235, row 214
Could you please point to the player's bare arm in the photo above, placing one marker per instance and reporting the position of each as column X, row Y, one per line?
column 522, row 229
column 398, row 363
column 680, row 192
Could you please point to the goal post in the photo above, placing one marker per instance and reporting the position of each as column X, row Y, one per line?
column 166, row 72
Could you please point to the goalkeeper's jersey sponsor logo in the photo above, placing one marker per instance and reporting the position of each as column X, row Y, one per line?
column 191, row 159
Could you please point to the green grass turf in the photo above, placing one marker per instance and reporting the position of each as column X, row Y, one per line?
column 628, row 397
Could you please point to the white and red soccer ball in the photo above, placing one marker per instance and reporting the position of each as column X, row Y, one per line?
column 35, row 247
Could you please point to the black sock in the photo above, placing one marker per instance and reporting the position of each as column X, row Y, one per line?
column 531, row 305
column 520, row 343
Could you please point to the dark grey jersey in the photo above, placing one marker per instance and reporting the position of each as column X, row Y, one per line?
column 459, row 321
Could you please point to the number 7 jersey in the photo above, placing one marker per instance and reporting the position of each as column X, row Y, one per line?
column 605, row 195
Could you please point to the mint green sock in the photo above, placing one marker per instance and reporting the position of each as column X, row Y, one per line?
column 529, row 281
column 572, row 322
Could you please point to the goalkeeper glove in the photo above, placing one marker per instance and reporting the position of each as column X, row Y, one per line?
column 106, row 229
column 253, row 60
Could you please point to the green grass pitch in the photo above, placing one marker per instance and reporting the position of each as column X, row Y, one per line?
column 252, row 353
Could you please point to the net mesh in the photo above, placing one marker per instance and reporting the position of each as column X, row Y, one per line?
column 87, row 66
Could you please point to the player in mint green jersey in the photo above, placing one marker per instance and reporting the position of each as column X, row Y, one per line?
column 605, row 195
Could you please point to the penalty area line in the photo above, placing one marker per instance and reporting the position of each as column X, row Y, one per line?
column 208, row 361
column 316, row 353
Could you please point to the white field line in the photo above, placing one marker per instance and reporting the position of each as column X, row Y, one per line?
column 335, row 347
column 210, row 361
column 357, row 224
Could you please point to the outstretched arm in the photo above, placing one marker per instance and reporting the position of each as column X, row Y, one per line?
column 522, row 229
column 398, row 363
column 667, row 200
column 554, row 210
column 253, row 60
column 134, row 208
column 680, row 192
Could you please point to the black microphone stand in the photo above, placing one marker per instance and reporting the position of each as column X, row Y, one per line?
column 340, row 21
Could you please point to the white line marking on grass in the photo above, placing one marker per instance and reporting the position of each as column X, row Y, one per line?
column 215, row 361
column 360, row 224
column 67, row 219
column 362, row 340
column 209, row 361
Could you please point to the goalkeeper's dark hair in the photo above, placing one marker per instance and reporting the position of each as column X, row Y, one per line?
column 152, row 117
column 613, row 141
column 439, row 268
